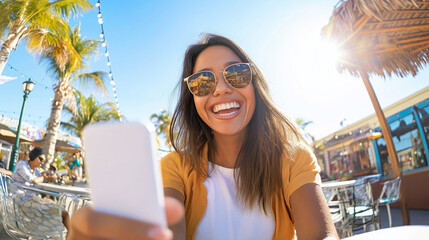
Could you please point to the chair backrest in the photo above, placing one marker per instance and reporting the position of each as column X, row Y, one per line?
column 329, row 193
column 355, row 198
column 391, row 189
column 71, row 202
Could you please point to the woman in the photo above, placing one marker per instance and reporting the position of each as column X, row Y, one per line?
column 241, row 169
column 27, row 172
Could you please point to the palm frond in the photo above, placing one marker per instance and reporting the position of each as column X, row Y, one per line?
column 64, row 8
column 4, row 18
column 88, row 111
column 96, row 78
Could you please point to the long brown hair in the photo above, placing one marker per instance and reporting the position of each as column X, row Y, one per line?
column 269, row 133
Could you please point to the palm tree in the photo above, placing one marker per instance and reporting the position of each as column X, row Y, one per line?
column 65, row 77
column 35, row 21
column 86, row 111
column 162, row 122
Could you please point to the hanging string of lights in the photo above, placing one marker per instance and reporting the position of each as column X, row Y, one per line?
column 22, row 75
column 106, row 54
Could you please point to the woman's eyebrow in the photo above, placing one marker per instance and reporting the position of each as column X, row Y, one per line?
column 226, row 65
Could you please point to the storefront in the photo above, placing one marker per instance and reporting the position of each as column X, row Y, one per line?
column 410, row 131
column 360, row 149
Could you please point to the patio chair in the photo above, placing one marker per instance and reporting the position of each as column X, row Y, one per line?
column 71, row 202
column 360, row 209
column 29, row 216
column 390, row 194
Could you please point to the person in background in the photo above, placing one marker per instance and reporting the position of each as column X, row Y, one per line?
column 76, row 166
column 50, row 175
column 240, row 169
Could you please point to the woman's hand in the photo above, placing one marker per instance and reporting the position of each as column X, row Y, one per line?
column 89, row 224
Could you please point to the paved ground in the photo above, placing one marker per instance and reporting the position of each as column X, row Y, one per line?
column 417, row 217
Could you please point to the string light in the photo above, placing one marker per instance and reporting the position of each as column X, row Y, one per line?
column 22, row 75
column 106, row 54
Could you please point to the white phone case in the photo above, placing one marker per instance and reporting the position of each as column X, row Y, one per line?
column 123, row 170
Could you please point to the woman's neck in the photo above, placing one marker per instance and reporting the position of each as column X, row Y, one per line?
column 30, row 163
column 227, row 149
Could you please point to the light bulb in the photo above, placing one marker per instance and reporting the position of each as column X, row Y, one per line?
column 97, row 4
column 112, row 82
column 99, row 15
column 108, row 63
column 114, row 89
column 100, row 21
column 101, row 35
column 104, row 44
column 110, row 75
column 106, row 54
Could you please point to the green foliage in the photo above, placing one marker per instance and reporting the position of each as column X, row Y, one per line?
column 87, row 111
column 38, row 22
column 162, row 122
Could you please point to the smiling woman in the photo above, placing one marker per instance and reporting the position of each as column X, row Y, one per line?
column 240, row 170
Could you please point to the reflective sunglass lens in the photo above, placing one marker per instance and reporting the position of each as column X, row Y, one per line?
column 202, row 84
column 238, row 75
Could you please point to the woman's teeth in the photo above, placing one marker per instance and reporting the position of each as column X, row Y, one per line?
column 234, row 106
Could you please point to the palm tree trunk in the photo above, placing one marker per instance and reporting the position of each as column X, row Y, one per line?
column 16, row 32
column 53, row 126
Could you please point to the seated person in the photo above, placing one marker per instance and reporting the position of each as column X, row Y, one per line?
column 27, row 172
column 50, row 175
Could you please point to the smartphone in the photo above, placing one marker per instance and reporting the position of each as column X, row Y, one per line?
column 122, row 165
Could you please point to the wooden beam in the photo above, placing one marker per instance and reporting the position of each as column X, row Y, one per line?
column 421, row 48
column 414, row 39
column 385, row 48
column 411, row 11
column 394, row 29
column 398, row 21
column 357, row 26
column 385, row 129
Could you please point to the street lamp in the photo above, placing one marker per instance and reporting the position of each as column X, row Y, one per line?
column 27, row 86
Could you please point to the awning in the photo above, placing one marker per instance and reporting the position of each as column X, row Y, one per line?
column 60, row 146
column 7, row 134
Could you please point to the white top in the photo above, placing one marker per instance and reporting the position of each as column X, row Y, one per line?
column 224, row 217
column 23, row 175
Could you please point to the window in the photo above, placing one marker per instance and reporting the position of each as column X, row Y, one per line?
column 408, row 143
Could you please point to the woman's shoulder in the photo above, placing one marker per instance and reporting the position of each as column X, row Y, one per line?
column 298, row 149
column 173, row 159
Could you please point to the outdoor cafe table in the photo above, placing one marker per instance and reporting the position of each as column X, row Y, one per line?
column 401, row 232
column 56, row 190
column 338, row 184
column 64, row 189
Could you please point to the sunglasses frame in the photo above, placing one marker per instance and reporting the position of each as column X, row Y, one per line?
column 216, row 80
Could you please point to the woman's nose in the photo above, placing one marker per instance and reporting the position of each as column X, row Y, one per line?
column 222, row 87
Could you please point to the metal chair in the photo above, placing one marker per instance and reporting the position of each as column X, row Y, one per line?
column 360, row 209
column 390, row 194
column 29, row 216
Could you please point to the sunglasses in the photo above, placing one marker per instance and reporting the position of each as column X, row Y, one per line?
column 237, row 75
column 41, row 159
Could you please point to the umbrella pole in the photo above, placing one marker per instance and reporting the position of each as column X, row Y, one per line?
column 385, row 129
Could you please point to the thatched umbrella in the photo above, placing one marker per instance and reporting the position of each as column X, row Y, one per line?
column 384, row 38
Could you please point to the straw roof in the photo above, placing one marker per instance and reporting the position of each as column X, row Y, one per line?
column 382, row 37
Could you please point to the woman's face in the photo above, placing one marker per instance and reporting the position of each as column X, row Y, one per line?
column 39, row 160
column 228, row 110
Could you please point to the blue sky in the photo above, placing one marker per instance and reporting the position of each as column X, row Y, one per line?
column 147, row 41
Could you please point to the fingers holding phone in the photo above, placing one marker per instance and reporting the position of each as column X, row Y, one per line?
column 90, row 224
